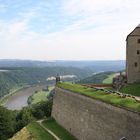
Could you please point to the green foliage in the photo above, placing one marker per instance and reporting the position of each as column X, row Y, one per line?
column 24, row 117
column 113, row 99
column 42, row 109
column 30, row 99
column 62, row 133
column 7, row 123
column 95, row 79
column 5, row 84
column 39, row 96
column 13, row 121
column 38, row 132
column 133, row 89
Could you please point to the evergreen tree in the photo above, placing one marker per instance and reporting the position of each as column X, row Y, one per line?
column 7, row 123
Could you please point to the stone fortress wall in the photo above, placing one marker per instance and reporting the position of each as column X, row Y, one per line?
column 90, row 119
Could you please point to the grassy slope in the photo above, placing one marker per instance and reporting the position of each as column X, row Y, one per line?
column 96, row 79
column 58, row 130
column 23, row 134
column 38, row 132
column 41, row 96
column 100, row 95
column 109, row 79
column 35, row 132
column 133, row 89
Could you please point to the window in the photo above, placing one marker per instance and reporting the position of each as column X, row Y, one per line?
column 138, row 40
column 136, row 64
column 138, row 51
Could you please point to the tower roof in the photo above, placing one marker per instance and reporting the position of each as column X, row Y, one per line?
column 135, row 32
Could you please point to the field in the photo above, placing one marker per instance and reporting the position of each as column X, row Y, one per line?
column 109, row 79
column 40, row 96
column 113, row 99
column 99, row 78
column 58, row 130
column 133, row 89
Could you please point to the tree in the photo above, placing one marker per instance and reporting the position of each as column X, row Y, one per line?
column 7, row 123
column 42, row 109
column 24, row 117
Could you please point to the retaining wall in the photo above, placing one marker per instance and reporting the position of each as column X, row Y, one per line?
column 90, row 119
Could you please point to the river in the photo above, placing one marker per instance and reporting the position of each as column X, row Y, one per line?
column 19, row 99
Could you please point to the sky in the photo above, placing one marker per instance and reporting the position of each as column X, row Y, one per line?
column 66, row 29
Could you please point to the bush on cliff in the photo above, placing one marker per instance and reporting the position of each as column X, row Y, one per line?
column 23, row 118
column 7, row 123
column 42, row 109
column 13, row 121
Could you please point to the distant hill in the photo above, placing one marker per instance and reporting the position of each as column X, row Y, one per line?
column 103, row 77
column 33, row 75
column 19, row 72
column 92, row 65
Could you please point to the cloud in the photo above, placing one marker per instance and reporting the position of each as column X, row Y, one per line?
column 89, row 7
column 102, row 9
column 71, row 30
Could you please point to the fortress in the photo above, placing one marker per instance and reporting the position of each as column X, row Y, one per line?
column 133, row 56
column 91, row 119
column 132, row 74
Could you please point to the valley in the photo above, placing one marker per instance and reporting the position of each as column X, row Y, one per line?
column 26, row 94
column 19, row 99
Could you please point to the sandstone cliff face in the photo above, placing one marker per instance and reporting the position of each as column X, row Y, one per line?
column 89, row 119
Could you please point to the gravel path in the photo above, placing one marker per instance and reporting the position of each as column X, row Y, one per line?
column 49, row 131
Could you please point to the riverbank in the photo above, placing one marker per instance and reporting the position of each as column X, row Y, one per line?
column 19, row 99
column 4, row 99
column 39, row 96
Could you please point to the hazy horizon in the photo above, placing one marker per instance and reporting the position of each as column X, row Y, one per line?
column 66, row 29
column 20, row 59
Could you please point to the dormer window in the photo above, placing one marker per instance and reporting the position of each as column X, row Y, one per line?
column 138, row 40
